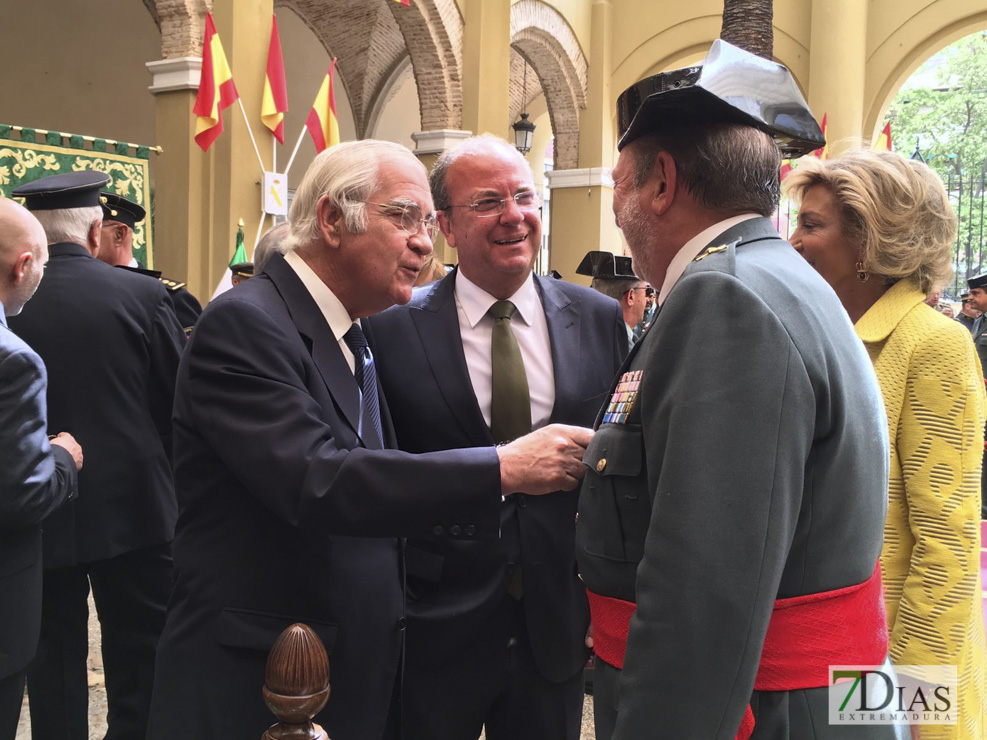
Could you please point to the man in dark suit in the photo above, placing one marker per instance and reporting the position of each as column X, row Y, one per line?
column 35, row 477
column 116, row 247
column 740, row 463
column 291, row 505
column 496, row 629
column 111, row 343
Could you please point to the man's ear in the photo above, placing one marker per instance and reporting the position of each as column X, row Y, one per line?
column 93, row 236
column 662, row 184
column 330, row 219
column 446, row 228
column 19, row 269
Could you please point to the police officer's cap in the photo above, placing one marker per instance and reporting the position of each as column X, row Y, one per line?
column 71, row 190
column 964, row 297
column 243, row 269
column 605, row 265
column 118, row 208
column 980, row 281
column 730, row 86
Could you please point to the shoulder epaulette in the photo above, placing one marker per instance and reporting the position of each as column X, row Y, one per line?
column 712, row 250
column 171, row 285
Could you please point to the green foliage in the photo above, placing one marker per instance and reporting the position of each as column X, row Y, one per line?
column 945, row 121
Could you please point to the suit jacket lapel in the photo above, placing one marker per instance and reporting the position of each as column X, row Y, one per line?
column 564, row 331
column 311, row 324
column 437, row 322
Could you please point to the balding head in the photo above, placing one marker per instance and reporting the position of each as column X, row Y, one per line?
column 23, row 254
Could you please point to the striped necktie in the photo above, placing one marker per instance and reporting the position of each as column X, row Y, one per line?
column 366, row 378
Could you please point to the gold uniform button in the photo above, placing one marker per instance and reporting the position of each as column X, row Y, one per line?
column 601, row 465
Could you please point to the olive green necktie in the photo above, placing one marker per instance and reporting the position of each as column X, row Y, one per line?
column 510, row 403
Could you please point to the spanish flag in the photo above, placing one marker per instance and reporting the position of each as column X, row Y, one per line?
column 883, row 143
column 216, row 89
column 275, row 103
column 321, row 122
column 823, row 151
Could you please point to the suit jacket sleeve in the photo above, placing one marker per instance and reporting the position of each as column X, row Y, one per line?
column 35, row 478
column 939, row 438
column 727, row 425
column 252, row 399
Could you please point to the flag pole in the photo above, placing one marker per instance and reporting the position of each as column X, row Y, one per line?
column 249, row 131
column 301, row 135
column 263, row 218
column 274, row 154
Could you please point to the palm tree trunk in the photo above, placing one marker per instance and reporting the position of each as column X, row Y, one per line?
column 748, row 24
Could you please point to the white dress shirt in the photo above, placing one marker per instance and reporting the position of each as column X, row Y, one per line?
column 531, row 330
column 332, row 309
column 691, row 249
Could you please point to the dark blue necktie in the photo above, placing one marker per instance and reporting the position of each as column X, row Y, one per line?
column 366, row 377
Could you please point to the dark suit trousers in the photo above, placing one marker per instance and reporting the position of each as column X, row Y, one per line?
column 493, row 682
column 131, row 594
column 11, row 697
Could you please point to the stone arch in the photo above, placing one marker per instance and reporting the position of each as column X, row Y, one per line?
column 541, row 37
column 372, row 39
column 433, row 33
column 181, row 23
column 893, row 62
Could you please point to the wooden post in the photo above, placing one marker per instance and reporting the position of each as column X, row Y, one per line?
column 296, row 684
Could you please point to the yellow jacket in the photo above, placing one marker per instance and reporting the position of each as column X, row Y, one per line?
column 933, row 390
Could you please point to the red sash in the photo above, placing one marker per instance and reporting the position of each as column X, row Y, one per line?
column 806, row 635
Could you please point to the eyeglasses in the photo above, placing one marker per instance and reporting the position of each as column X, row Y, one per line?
column 648, row 291
column 408, row 217
column 490, row 207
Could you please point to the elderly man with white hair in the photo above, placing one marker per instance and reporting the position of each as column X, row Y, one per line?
column 292, row 503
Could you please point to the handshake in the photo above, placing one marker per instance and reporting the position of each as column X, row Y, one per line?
column 549, row 459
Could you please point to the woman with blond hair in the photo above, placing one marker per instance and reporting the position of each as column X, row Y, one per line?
column 879, row 229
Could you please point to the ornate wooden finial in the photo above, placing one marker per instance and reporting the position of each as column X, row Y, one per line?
column 296, row 684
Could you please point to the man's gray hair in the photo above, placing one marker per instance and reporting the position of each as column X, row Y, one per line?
column 616, row 288
column 348, row 174
column 438, row 178
column 725, row 167
column 270, row 243
column 69, row 224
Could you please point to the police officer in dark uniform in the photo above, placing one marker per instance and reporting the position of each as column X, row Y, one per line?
column 241, row 272
column 738, row 461
column 120, row 216
column 968, row 312
column 111, row 343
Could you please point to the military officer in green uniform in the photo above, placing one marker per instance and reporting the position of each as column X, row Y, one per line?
column 739, row 465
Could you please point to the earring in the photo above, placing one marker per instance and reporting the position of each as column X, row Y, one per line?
column 862, row 274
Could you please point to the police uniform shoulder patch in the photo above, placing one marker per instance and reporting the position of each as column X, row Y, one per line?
column 171, row 285
column 623, row 398
column 708, row 252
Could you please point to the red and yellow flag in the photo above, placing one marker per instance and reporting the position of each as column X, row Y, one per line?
column 275, row 102
column 322, row 123
column 786, row 169
column 405, row 3
column 883, row 143
column 823, row 151
column 216, row 89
